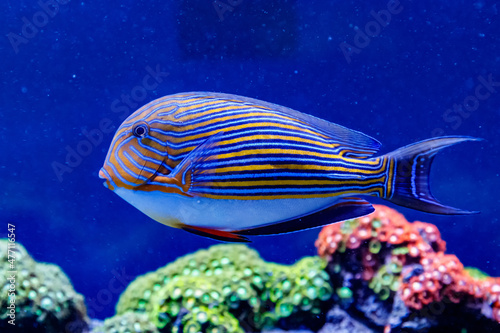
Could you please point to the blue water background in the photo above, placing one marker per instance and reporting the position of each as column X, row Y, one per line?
column 397, row 89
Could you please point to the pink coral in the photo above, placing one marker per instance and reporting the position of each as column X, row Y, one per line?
column 385, row 225
column 442, row 276
column 491, row 289
column 426, row 273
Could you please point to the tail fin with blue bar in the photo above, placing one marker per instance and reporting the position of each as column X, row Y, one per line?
column 410, row 184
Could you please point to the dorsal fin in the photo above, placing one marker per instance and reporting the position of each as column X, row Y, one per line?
column 367, row 145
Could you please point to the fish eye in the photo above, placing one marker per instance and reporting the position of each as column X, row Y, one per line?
column 140, row 130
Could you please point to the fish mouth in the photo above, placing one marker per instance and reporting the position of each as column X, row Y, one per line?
column 103, row 175
column 109, row 182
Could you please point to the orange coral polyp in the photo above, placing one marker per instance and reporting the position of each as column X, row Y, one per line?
column 363, row 233
column 417, row 286
column 413, row 250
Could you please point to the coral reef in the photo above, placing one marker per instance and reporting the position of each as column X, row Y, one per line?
column 45, row 300
column 230, row 288
column 400, row 269
column 126, row 323
column 378, row 273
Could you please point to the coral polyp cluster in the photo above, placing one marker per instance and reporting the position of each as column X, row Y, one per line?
column 229, row 288
column 397, row 259
column 385, row 225
column 43, row 299
column 443, row 278
column 127, row 323
column 489, row 289
column 385, row 243
column 440, row 275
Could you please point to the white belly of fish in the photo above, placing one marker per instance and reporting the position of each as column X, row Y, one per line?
column 171, row 209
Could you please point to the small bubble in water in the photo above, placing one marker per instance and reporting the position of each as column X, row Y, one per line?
column 24, row 90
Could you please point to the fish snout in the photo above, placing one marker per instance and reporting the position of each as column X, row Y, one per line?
column 103, row 175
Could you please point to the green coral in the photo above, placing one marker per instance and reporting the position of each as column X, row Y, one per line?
column 208, row 319
column 476, row 273
column 45, row 300
column 229, row 288
column 386, row 277
column 127, row 323
column 344, row 293
column 200, row 302
column 385, row 282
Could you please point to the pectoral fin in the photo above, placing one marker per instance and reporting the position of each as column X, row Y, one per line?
column 347, row 208
column 183, row 172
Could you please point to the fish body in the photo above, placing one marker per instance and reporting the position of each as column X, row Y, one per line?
column 225, row 166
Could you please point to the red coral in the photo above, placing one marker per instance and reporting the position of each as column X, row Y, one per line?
column 428, row 274
column 431, row 235
column 444, row 277
column 329, row 240
column 490, row 288
column 441, row 276
column 386, row 225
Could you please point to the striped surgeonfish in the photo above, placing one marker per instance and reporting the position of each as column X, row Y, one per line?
column 226, row 166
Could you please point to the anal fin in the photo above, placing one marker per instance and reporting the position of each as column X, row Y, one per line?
column 345, row 209
column 226, row 236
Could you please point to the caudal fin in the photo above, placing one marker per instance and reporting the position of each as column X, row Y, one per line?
column 412, row 166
